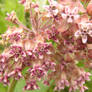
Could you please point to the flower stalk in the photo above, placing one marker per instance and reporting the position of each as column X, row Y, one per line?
column 12, row 86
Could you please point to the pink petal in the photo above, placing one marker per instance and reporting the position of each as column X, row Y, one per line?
column 67, row 10
column 69, row 20
column 75, row 10
column 64, row 16
column 76, row 17
column 90, row 33
column 84, row 39
column 77, row 34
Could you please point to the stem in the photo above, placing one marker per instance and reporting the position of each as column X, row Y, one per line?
column 51, row 88
column 12, row 86
column 27, row 17
column 19, row 23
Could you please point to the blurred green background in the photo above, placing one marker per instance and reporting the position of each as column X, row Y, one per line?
column 8, row 6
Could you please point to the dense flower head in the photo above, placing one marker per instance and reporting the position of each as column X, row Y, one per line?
column 52, row 47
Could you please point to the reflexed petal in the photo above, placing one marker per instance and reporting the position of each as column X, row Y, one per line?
column 28, row 46
column 79, row 25
column 27, row 5
column 64, row 16
column 70, row 89
column 89, row 25
column 76, row 17
column 90, row 33
column 67, row 10
column 75, row 10
column 52, row 2
column 46, row 7
column 40, row 56
column 55, row 12
column 77, row 34
column 69, row 20
column 84, row 39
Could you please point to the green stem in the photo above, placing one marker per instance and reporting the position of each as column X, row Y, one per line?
column 27, row 19
column 50, row 89
column 12, row 86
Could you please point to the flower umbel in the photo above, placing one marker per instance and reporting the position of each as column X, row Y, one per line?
column 49, row 47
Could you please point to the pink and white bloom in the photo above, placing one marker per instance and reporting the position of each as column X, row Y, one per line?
column 84, row 31
column 70, row 15
column 53, row 8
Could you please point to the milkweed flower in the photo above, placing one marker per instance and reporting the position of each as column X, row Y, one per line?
column 52, row 48
column 84, row 31
column 70, row 15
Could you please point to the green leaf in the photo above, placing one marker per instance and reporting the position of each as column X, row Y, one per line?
column 3, row 88
column 8, row 6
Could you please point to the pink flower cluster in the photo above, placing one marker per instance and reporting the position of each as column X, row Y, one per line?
column 59, row 39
